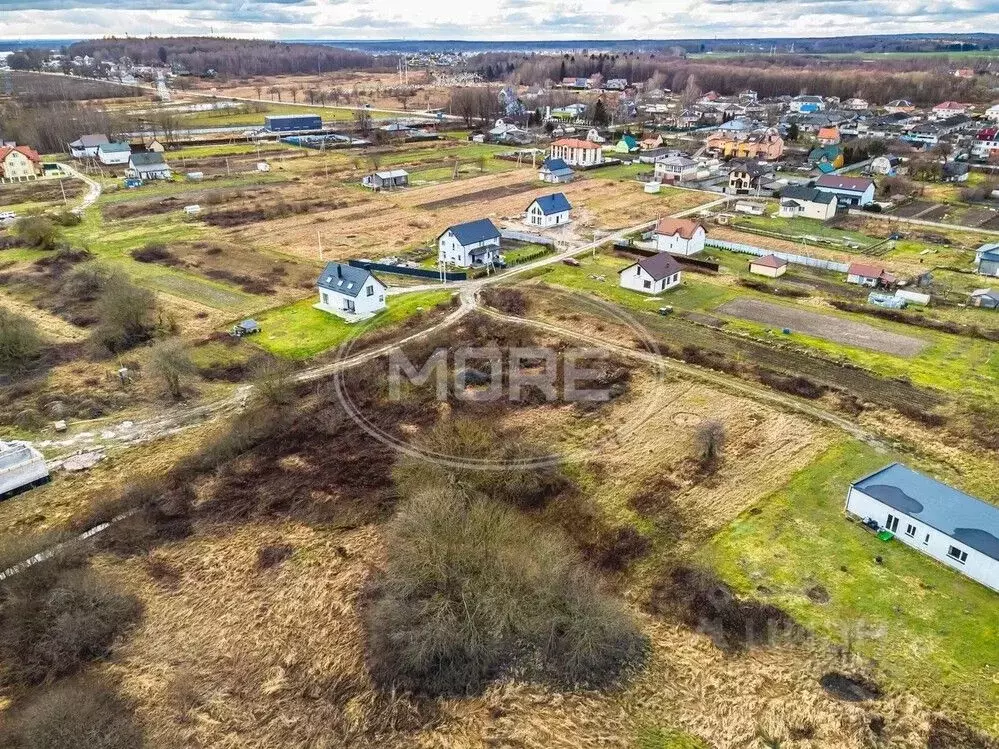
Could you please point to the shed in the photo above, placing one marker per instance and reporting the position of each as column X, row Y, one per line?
column 768, row 265
column 985, row 298
column 21, row 467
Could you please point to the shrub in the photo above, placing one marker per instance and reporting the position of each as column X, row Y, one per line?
column 37, row 231
column 85, row 282
column 67, row 218
column 125, row 314
column 155, row 252
column 20, row 343
column 513, row 471
column 171, row 362
column 50, row 625
column 73, row 715
column 709, row 440
column 505, row 299
column 472, row 589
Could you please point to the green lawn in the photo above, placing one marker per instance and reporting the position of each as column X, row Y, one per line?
column 299, row 331
column 928, row 628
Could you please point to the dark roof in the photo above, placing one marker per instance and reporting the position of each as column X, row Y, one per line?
column 557, row 202
column 89, row 141
column 807, row 194
column 836, row 182
column 659, row 266
column 148, row 158
column 473, row 231
column 556, row 165
column 962, row 517
column 114, row 147
column 343, row 278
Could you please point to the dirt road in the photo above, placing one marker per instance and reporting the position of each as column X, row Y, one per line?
column 93, row 189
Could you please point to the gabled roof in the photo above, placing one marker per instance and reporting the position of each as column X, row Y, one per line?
column 950, row 105
column 866, row 270
column 809, row 98
column 147, row 158
column 114, row 148
column 986, row 293
column 659, row 266
column 555, row 203
column 964, row 518
column 344, row 278
column 576, row 143
column 837, row 182
column 807, row 194
column 89, row 141
column 28, row 151
column 828, row 132
column 393, row 174
column 673, row 226
column 472, row 232
column 769, row 261
column 556, row 165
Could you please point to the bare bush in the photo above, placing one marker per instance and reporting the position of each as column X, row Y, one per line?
column 20, row 343
column 39, row 232
column 125, row 313
column 171, row 362
column 473, row 589
column 709, row 441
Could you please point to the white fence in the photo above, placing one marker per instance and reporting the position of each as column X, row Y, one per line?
column 748, row 249
column 526, row 236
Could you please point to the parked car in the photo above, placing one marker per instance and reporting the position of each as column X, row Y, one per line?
column 571, row 261
column 245, row 328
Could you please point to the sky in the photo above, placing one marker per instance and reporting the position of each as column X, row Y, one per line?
column 495, row 20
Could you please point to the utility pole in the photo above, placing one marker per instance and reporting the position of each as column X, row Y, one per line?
column 319, row 237
column 63, row 188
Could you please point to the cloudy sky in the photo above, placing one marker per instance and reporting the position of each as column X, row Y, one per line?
column 499, row 19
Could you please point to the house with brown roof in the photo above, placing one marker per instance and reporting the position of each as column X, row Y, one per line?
column 946, row 109
column 576, row 152
column 19, row 164
column 866, row 274
column 770, row 266
column 680, row 236
column 828, row 136
column 651, row 275
column 762, row 145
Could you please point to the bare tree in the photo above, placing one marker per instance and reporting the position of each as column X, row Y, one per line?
column 171, row 361
column 294, row 93
column 275, row 92
column 362, row 120
column 709, row 440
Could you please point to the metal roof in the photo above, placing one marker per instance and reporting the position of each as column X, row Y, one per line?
column 807, row 194
column 89, row 141
column 147, row 158
column 473, row 231
column 556, row 166
column 851, row 184
column 343, row 278
column 659, row 266
column 555, row 203
column 114, row 147
column 964, row 518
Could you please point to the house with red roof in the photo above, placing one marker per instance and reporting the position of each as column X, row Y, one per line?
column 866, row 274
column 19, row 164
column 946, row 109
column 986, row 143
column 576, row 152
column 770, row 266
column 680, row 236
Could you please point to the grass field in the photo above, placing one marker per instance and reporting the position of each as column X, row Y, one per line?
column 928, row 628
column 300, row 331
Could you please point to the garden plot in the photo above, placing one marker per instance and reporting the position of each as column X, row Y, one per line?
column 829, row 327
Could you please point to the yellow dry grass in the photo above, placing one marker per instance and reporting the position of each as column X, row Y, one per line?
column 51, row 326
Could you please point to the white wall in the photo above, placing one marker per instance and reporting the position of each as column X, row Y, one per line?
column 978, row 566
column 535, row 217
column 368, row 302
column 635, row 278
column 450, row 250
column 680, row 246
column 121, row 157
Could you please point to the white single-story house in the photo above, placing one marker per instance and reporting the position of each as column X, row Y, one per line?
column 386, row 180
column 85, row 147
column 680, row 236
column 864, row 274
column 887, row 165
column 807, row 202
column 112, row 154
column 473, row 243
column 21, row 467
column 148, row 165
column 849, row 191
column 676, row 169
column 768, row 265
column 548, row 210
column 555, row 171
column 348, row 292
column 651, row 275
column 954, row 528
column 575, row 152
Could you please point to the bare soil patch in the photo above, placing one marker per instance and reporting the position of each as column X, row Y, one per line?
column 829, row 327
column 474, row 197
column 849, row 688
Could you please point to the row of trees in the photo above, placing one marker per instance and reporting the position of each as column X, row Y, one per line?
column 229, row 57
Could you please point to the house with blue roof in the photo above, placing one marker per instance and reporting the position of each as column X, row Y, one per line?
column 548, row 210
column 987, row 259
column 350, row 293
column 468, row 245
column 942, row 522
column 555, row 171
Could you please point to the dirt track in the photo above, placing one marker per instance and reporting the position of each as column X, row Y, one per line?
column 829, row 327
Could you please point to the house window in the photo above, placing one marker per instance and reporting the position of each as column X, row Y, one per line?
column 910, row 530
column 647, row 284
column 957, row 554
column 927, row 539
column 892, row 523
column 326, row 299
column 371, row 291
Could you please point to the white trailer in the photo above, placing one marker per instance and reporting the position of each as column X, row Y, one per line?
column 21, row 467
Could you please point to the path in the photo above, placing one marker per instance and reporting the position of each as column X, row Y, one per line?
column 93, row 188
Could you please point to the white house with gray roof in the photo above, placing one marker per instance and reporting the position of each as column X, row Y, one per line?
column 348, row 292
column 942, row 522
column 112, row 154
column 148, row 165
